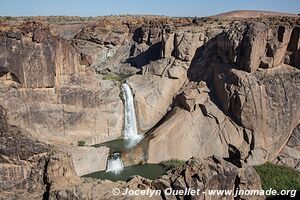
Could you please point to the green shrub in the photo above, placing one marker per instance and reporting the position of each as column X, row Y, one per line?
column 172, row 164
column 278, row 177
column 81, row 143
column 114, row 77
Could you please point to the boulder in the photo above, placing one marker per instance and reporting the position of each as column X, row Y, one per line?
column 278, row 43
column 252, row 47
column 104, row 33
column 87, row 160
column 293, row 52
column 186, row 44
column 264, row 102
column 197, row 129
column 167, row 43
column 290, row 153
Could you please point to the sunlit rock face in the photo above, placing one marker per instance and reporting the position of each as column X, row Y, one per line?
column 49, row 92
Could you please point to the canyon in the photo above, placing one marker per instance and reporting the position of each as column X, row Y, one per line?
column 220, row 93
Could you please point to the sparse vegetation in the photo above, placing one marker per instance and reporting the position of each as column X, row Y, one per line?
column 114, row 77
column 278, row 177
column 81, row 143
column 172, row 164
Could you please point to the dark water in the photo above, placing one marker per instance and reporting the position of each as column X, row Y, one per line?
column 150, row 171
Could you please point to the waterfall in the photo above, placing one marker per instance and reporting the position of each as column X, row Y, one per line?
column 115, row 164
column 130, row 130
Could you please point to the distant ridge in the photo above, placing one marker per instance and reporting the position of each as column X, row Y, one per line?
column 253, row 14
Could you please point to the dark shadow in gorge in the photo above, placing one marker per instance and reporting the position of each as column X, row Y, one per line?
column 209, row 62
column 144, row 58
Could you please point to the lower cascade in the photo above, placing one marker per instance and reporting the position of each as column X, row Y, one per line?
column 130, row 129
column 115, row 164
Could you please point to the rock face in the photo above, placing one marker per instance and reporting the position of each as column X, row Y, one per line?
column 27, row 166
column 47, row 92
column 290, row 154
column 155, row 89
column 186, row 45
column 293, row 54
column 86, row 159
column 263, row 101
column 105, row 46
column 59, row 96
column 21, row 166
column 197, row 128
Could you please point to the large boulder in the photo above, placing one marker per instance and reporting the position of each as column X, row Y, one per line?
column 262, row 46
column 86, row 159
column 186, row 44
column 265, row 102
column 290, row 153
column 293, row 50
column 105, row 46
column 197, row 127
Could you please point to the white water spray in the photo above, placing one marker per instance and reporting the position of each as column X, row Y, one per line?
column 130, row 130
column 115, row 164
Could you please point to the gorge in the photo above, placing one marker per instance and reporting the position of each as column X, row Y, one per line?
column 121, row 94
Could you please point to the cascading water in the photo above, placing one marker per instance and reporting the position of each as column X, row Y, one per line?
column 115, row 164
column 130, row 130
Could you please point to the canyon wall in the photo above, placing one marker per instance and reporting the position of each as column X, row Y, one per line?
column 202, row 87
column 50, row 91
column 252, row 103
column 234, row 84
